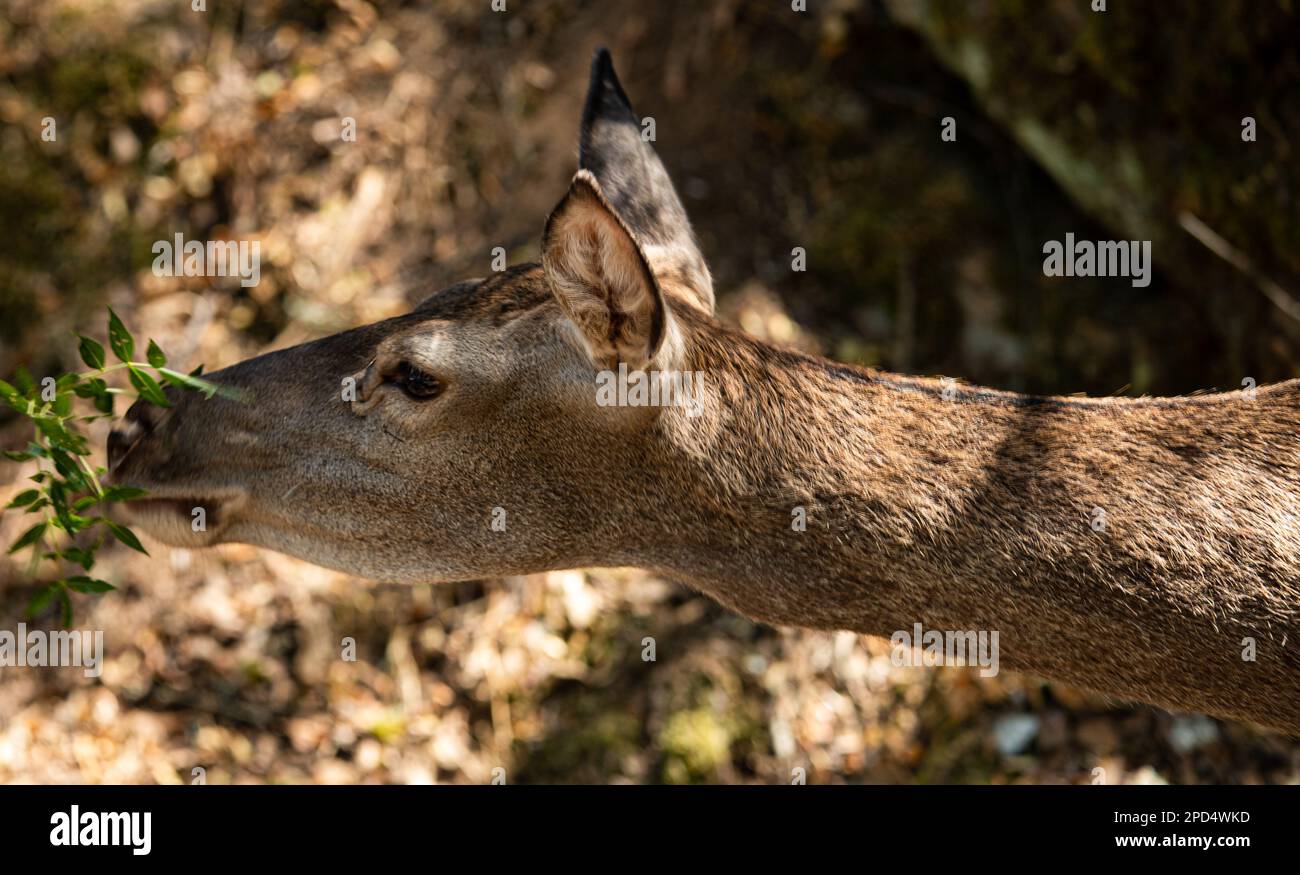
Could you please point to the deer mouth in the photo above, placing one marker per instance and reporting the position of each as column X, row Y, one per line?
column 185, row 521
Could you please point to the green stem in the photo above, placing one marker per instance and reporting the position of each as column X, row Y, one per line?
column 90, row 473
column 108, row 368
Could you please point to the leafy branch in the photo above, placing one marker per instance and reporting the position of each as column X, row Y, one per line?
column 69, row 496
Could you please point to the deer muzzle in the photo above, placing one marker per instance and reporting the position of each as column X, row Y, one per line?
column 180, row 509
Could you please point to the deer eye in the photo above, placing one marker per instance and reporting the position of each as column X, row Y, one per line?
column 415, row 382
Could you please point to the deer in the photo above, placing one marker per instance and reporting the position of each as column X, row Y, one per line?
column 388, row 452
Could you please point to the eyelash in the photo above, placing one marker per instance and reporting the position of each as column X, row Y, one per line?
column 408, row 375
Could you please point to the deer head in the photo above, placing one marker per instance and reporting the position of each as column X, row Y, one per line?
column 465, row 438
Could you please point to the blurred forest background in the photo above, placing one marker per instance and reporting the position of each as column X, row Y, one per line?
column 782, row 129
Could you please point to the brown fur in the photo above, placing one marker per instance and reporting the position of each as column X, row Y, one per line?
column 965, row 509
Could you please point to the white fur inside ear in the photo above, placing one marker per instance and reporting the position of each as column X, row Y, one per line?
column 601, row 279
column 672, row 349
column 670, row 355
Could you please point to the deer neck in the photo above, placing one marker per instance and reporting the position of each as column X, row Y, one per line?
column 1103, row 539
column 819, row 494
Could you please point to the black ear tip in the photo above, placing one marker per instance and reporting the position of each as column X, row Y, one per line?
column 605, row 93
column 602, row 67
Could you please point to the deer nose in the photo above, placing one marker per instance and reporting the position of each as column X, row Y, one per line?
column 140, row 420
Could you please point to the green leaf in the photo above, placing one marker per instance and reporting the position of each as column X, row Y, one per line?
column 62, row 438
column 26, row 386
column 72, row 523
column 147, row 386
column 92, row 353
column 92, row 387
column 63, row 517
column 29, row 537
column 84, row 584
column 123, row 493
column 155, row 355
column 189, row 381
column 24, row 498
column 126, row 536
column 66, row 601
column 85, row 557
column 119, row 338
column 97, row 389
column 41, row 600
column 71, row 472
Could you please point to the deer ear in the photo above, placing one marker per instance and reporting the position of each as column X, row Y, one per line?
column 637, row 185
column 599, row 275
